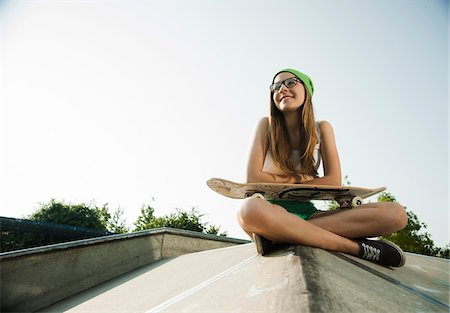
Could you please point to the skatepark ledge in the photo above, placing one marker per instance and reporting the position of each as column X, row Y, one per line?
column 37, row 277
column 168, row 270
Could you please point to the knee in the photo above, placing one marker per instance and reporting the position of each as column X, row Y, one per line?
column 250, row 213
column 401, row 216
column 395, row 214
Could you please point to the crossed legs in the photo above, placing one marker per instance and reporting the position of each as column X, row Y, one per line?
column 332, row 230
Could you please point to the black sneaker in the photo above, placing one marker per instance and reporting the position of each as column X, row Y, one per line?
column 382, row 252
column 263, row 245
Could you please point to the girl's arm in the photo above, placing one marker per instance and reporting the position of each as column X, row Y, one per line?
column 255, row 161
column 330, row 157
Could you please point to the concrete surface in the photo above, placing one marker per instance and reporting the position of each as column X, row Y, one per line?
column 294, row 279
column 35, row 278
column 226, row 280
column 341, row 283
column 427, row 277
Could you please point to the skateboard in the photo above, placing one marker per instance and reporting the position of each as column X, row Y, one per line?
column 346, row 196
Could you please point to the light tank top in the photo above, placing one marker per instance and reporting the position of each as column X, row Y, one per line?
column 270, row 166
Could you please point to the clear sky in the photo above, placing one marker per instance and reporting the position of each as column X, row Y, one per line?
column 120, row 102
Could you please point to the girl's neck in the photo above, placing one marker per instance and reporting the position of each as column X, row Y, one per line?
column 293, row 122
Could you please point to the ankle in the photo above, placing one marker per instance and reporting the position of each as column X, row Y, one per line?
column 353, row 248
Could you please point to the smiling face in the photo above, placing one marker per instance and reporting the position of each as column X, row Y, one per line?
column 288, row 99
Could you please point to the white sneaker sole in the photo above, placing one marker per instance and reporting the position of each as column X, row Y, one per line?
column 258, row 242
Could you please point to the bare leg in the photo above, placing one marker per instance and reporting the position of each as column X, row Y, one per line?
column 275, row 223
column 367, row 220
column 329, row 231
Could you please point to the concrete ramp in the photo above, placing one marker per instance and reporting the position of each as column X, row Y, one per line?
column 342, row 283
column 35, row 278
column 293, row 279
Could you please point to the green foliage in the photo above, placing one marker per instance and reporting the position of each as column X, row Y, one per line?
column 346, row 181
column 100, row 218
column 333, row 205
column 11, row 241
column 59, row 212
column 147, row 219
column 116, row 223
column 386, row 197
column 84, row 215
column 188, row 220
column 214, row 230
column 444, row 252
column 413, row 238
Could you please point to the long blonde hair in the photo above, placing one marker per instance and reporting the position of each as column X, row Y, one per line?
column 280, row 145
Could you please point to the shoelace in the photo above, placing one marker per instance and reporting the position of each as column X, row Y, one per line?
column 371, row 253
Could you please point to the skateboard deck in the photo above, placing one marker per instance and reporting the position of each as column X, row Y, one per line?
column 346, row 196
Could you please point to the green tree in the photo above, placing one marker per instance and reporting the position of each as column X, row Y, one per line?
column 147, row 219
column 58, row 212
column 188, row 220
column 116, row 223
column 413, row 238
column 214, row 230
column 83, row 215
column 386, row 197
column 444, row 252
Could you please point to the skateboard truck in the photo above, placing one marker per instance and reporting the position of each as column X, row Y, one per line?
column 355, row 201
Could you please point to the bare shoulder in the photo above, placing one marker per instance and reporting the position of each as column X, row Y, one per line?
column 263, row 126
column 325, row 127
column 326, row 131
column 263, row 122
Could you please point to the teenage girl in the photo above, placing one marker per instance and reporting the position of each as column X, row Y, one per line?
column 288, row 147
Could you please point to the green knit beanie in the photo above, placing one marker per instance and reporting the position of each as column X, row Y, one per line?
column 303, row 77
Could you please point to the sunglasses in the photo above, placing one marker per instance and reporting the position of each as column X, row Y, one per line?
column 289, row 83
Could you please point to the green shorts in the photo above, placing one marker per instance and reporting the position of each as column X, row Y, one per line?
column 304, row 210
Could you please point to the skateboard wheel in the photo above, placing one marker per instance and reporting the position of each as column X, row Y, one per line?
column 257, row 195
column 357, row 201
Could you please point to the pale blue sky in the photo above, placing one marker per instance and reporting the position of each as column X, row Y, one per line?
column 122, row 101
